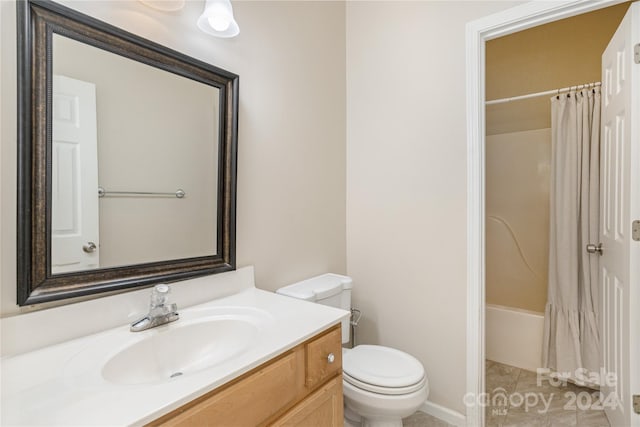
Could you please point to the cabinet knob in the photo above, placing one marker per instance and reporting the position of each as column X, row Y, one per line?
column 331, row 358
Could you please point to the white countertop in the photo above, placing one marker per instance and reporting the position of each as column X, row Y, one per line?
column 62, row 384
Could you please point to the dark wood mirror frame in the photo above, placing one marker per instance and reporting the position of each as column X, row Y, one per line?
column 38, row 20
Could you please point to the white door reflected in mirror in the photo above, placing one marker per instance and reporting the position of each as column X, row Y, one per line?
column 74, row 213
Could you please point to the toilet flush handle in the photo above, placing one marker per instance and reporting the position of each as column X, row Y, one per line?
column 331, row 358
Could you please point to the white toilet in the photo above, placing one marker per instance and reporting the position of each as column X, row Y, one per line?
column 381, row 385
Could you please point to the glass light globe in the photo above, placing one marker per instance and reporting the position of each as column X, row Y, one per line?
column 217, row 19
column 219, row 22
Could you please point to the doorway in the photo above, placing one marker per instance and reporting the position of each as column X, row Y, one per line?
column 521, row 69
column 479, row 32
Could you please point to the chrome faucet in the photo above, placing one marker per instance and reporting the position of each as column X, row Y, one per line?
column 160, row 311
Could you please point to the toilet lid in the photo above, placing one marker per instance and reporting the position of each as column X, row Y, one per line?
column 382, row 368
column 391, row 391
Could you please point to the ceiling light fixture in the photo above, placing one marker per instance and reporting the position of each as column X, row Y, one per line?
column 217, row 19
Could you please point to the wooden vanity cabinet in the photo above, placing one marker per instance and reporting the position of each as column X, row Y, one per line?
column 301, row 387
column 322, row 408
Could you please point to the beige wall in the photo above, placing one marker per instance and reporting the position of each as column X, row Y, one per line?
column 517, row 228
column 406, row 188
column 156, row 132
column 555, row 55
column 291, row 165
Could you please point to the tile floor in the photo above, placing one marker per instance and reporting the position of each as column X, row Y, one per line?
column 548, row 406
column 420, row 419
column 567, row 405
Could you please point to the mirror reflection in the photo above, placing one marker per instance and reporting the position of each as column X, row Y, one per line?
column 134, row 161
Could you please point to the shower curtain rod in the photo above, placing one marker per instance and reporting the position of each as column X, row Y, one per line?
column 548, row 92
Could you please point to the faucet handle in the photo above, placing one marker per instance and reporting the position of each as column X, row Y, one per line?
column 161, row 288
column 160, row 295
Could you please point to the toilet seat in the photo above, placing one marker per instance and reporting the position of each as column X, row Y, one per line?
column 391, row 391
column 382, row 370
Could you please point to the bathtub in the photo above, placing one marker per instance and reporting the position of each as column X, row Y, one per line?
column 514, row 336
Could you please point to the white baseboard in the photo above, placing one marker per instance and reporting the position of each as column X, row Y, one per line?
column 444, row 414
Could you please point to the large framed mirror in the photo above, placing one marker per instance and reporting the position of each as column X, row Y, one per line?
column 126, row 159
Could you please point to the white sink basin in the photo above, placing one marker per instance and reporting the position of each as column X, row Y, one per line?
column 180, row 350
column 201, row 339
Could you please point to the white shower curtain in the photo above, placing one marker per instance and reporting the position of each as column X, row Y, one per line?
column 571, row 338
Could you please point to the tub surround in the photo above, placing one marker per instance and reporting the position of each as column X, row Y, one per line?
column 517, row 223
column 45, row 386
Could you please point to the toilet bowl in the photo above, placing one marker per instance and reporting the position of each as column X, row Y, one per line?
column 381, row 385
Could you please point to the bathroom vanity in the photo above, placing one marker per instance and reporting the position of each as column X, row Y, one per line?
column 303, row 386
column 249, row 358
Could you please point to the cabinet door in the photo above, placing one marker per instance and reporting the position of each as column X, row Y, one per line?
column 324, row 358
column 321, row 409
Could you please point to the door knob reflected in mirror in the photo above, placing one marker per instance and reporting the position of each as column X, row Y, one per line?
column 90, row 247
column 592, row 249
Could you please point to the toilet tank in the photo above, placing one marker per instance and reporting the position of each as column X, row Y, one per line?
column 328, row 289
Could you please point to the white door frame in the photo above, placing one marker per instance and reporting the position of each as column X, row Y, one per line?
column 478, row 32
